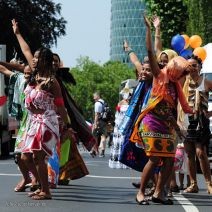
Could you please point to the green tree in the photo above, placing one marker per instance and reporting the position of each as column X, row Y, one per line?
column 173, row 15
column 40, row 23
column 91, row 77
column 200, row 19
column 183, row 16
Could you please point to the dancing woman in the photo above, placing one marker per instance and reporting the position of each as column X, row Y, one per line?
column 156, row 126
column 44, row 102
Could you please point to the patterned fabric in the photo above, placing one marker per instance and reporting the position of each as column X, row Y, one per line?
column 75, row 167
column 152, row 130
column 18, row 98
column 171, row 73
column 11, row 86
column 135, row 105
column 72, row 165
column 43, row 129
column 198, row 129
column 180, row 160
column 118, row 140
column 131, row 155
column 19, row 143
column 3, row 100
column 53, row 166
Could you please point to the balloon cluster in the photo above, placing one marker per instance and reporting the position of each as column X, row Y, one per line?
column 180, row 44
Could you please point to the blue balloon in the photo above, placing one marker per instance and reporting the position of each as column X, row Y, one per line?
column 186, row 53
column 178, row 43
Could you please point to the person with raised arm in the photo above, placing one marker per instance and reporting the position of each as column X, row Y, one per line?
column 156, row 127
column 44, row 102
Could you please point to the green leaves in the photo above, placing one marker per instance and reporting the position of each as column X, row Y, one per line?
column 39, row 21
column 91, row 77
column 173, row 15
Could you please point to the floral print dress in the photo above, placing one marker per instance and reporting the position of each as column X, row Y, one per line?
column 43, row 129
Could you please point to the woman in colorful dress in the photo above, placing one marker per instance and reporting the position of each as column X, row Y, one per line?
column 156, row 126
column 71, row 164
column 43, row 101
column 16, row 109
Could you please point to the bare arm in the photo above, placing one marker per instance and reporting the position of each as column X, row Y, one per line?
column 13, row 66
column 24, row 46
column 158, row 42
column 133, row 57
column 153, row 62
column 56, row 91
column 5, row 71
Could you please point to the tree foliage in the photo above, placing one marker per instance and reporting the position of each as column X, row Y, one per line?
column 200, row 19
column 91, row 77
column 183, row 17
column 173, row 15
column 40, row 22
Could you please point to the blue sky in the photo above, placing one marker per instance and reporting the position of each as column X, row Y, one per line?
column 87, row 31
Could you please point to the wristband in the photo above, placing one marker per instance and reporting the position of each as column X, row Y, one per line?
column 130, row 52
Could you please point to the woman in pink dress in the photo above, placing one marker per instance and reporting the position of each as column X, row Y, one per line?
column 44, row 101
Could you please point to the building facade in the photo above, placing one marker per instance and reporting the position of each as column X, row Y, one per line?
column 127, row 24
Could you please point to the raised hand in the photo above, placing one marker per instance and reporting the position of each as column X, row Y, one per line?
column 126, row 46
column 147, row 21
column 15, row 27
column 156, row 21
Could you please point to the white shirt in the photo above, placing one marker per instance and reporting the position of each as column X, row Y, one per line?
column 98, row 107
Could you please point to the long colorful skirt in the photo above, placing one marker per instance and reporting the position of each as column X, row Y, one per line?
column 72, row 165
column 158, row 138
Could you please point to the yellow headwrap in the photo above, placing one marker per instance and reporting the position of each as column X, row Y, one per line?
column 170, row 54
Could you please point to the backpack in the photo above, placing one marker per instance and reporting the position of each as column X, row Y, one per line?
column 107, row 114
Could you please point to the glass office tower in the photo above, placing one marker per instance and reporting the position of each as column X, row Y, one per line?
column 127, row 23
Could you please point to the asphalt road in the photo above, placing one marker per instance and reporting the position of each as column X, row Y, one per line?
column 103, row 190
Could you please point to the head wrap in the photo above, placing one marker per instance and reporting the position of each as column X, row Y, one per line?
column 170, row 54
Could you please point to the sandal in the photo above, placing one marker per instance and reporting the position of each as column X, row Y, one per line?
column 141, row 202
column 163, row 202
column 193, row 188
column 34, row 193
column 209, row 187
column 34, row 187
column 21, row 188
column 41, row 196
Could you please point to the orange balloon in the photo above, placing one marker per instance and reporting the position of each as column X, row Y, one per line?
column 195, row 41
column 186, row 38
column 200, row 52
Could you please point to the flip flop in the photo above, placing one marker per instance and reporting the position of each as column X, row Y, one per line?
column 34, row 193
column 163, row 202
column 142, row 202
column 21, row 187
column 42, row 197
